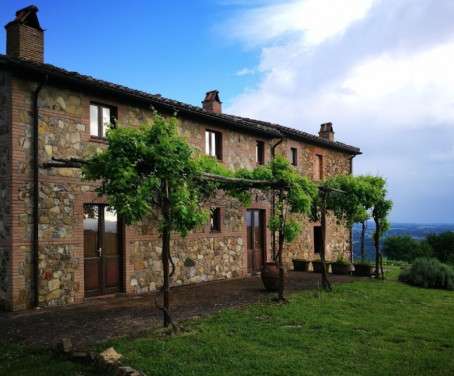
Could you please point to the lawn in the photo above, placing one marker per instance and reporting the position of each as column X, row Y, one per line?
column 18, row 360
column 362, row 328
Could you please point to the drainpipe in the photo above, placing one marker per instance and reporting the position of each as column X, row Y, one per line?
column 273, row 148
column 273, row 202
column 36, row 194
column 351, row 229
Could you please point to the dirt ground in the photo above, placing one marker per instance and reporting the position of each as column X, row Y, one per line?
column 123, row 314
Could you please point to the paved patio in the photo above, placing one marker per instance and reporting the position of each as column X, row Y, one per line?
column 124, row 314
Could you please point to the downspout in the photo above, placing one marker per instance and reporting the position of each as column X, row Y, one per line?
column 36, row 194
column 273, row 202
column 273, row 148
column 351, row 229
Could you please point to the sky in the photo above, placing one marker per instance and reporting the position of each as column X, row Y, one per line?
column 382, row 71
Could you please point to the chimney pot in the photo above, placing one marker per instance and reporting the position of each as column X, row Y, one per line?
column 24, row 36
column 326, row 131
column 212, row 103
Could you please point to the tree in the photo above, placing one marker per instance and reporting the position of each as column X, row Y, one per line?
column 363, row 194
column 153, row 169
column 380, row 211
column 354, row 205
column 405, row 248
column 442, row 246
column 295, row 194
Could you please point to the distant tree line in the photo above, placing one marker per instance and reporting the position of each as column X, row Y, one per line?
column 406, row 248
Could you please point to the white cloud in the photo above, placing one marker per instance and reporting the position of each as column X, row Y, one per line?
column 245, row 71
column 385, row 82
column 311, row 21
column 405, row 90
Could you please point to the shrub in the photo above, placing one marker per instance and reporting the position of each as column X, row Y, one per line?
column 429, row 273
column 342, row 260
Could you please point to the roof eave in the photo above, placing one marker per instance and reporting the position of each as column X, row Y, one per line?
column 57, row 76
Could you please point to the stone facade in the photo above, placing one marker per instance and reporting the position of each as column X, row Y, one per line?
column 63, row 128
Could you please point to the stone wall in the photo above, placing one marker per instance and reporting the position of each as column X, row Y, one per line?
column 195, row 260
column 201, row 256
column 337, row 237
column 57, row 282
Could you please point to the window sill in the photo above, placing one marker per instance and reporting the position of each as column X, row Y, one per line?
column 101, row 140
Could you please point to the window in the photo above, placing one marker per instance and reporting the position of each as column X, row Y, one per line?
column 318, row 168
column 293, row 157
column 318, row 242
column 215, row 220
column 260, row 152
column 213, row 144
column 100, row 117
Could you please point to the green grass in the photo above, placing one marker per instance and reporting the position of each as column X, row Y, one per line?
column 17, row 360
column 363, row 328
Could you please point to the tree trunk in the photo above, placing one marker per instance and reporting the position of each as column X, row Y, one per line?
column 281, row 267
column 165, row 268
column 363, row 234
column 377, row 249
column 166, row 253
column 279, row 252
column 325, row 283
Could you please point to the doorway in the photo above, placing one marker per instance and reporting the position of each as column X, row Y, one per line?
column 102, row 250
column 318, row 240
column 255, row 220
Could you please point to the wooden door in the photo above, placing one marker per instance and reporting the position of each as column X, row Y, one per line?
column 102, row 251
column 255, row 220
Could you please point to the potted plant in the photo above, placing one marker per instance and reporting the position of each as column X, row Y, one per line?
column 363, row 269
column 270, row 276
column 300, row 265
column 340, row 266
column 317, row 265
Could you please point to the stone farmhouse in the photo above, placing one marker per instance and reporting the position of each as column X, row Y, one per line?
column 59, row 243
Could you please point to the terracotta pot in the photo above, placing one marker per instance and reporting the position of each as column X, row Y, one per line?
column 270, row 276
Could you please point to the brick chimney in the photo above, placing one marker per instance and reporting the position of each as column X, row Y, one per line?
column 24, row 36
column 326, row 131
column 212, row 103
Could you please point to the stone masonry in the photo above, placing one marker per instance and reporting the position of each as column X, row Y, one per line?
column 63, row 122
column 202, row 256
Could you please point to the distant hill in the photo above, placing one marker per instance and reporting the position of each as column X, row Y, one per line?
column 416, row 230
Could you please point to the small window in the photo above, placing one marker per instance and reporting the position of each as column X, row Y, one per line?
column 100, row 117
column 215, row 220
column 318, row 168
column 260, row 152
column 318, row 241
column 293, row 157
column 213, row 144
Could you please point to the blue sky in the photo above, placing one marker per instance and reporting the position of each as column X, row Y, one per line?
column 380, row 70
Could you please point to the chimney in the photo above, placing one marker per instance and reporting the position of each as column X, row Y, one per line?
column 212, row 103
column 24, row 36
column 326, row 131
